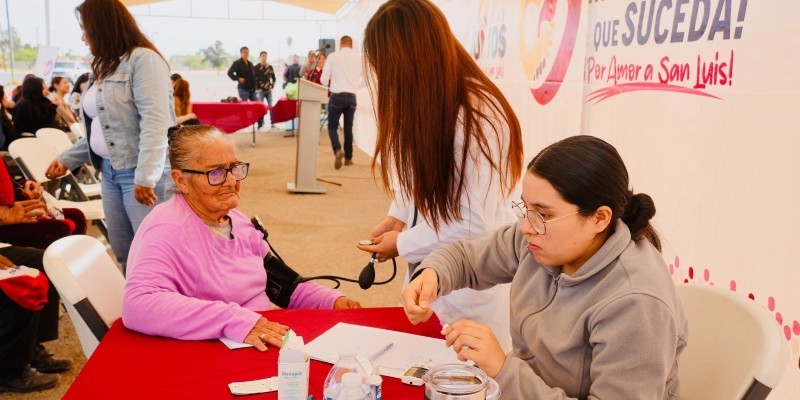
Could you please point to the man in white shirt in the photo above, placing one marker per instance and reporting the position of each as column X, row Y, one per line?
column 343, row 74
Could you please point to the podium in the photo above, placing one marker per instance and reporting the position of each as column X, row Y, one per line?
column 311, row 97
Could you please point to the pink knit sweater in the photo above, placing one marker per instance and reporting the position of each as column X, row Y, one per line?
column 185, row 283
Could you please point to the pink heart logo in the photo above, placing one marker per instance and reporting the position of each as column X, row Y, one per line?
column 548, row 31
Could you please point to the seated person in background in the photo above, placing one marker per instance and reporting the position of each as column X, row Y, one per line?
column 25, row 364
column 59, row 87
column 34, row 111
column 196, row 265
column 8, row 134
column 75, row 96
column 594, row 312
column 26, row 218
column 16, row 94
column 174, row 78
column 183, row 103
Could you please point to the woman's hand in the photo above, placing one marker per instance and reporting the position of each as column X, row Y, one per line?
column 23, row 212
column 145, row 195
column 384, row 247
column 475, row 342
column 419, row 294
column 5, row 263
column 387, row 225
column 55, row 169
column 343, row 303
column 265, row 332
column 32, row 189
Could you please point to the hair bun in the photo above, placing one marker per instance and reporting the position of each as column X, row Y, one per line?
column 638, row 213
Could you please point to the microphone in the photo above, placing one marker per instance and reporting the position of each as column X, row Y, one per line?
column 327, row 46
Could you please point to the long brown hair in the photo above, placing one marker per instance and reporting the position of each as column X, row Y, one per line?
column 112, row 34
column 182, row 97
column 424, row 84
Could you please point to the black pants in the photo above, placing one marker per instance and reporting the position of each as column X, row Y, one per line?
column 22, row 329
column 342, row 104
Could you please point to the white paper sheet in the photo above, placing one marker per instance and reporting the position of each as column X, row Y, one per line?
column 233, row 345
column 408, row 349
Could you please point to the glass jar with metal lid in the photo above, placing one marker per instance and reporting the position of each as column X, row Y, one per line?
column 459, row 382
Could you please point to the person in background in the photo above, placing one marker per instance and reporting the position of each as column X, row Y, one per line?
column 453, row 141
column 292, row 72
column 34, row 110
column 17, row 198
column 174, row 78
column 595, row 313
column 127, row 110
column 310, row 64
column 343, row 73
column 25, row 364
column 59, row 87
column 315, row 74
column 241, row 71
column 183, row 102
column 208, row 281
column 16, row 94
column 9, row 133
column 75, row 96
column 265, row 80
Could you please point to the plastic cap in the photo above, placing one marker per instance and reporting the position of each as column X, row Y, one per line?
column 348, row 351
column 352, row 379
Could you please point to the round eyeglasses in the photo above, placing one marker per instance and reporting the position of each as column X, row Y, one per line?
column 537, row 221
column 217, row 176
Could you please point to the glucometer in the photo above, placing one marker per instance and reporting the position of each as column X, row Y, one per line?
column 413, row 375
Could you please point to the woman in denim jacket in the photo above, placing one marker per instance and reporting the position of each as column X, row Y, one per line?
column 127, row 109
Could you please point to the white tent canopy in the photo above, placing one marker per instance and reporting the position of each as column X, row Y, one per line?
column 326, row 6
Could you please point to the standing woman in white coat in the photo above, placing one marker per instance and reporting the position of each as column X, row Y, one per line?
column 452, row 141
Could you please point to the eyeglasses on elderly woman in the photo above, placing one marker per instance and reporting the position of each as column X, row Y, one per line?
column 217, row 176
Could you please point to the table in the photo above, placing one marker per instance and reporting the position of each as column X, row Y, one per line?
column 131, row 365
column 284, row 110
column 230, row 117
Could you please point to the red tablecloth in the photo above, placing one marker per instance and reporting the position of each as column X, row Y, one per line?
column 230, row 117
column 284, row 110
column 131, row 365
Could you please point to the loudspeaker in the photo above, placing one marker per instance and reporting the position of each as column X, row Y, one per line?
column 327, row 46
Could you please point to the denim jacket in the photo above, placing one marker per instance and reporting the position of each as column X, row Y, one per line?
column 135, row 107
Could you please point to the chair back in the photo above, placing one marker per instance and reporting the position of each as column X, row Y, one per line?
column 57, row 139
column 735, row 350
column 33, row 155
column 89, row 283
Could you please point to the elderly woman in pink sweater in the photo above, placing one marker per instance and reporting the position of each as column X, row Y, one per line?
column 196, row 268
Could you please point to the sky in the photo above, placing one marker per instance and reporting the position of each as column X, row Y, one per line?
column 260, row 25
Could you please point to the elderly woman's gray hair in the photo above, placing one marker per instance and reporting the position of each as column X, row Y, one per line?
column 185, row 141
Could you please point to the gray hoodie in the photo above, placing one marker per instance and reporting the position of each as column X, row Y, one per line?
column 613, row 330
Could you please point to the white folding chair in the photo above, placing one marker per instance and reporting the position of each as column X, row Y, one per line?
column 61, row 142
column 89, row 283
column 736, row 349
column 57, row 138
column 34, row 155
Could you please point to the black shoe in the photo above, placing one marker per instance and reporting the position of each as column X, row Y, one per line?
column 43, row 361
column 31, row 380
column 339, row 156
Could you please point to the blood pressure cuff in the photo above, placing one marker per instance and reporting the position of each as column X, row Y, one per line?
column 282, row 280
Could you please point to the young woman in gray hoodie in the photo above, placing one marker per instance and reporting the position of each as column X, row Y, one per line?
column 594, row 312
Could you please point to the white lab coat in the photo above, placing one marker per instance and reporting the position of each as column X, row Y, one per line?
column 484, row 209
